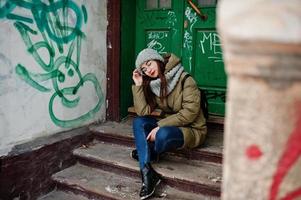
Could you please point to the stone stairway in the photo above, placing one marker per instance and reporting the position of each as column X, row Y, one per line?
column 104, row 169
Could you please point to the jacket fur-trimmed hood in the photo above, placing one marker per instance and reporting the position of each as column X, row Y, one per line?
column 173, row 61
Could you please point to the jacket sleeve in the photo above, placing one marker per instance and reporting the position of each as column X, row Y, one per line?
column 190, row 106
column 141, row 107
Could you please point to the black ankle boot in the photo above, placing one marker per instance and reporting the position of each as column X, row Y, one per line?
column 134, row 154
column 150, row 179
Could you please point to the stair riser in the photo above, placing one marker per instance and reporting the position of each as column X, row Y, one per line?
column 110, row 138
column 177, row 183
column 198, row 155
column 218, row 126
column 193, row 187
column 190, row 154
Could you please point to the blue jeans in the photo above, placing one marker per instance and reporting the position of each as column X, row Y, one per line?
column 167, row 138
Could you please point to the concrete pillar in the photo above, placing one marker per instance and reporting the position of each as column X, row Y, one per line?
column 262, row 52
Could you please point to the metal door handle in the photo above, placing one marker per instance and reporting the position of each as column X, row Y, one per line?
column 197, row 10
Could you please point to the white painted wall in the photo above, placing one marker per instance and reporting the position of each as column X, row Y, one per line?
column 25, row 103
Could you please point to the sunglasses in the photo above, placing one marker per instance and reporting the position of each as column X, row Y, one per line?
column 143, row 70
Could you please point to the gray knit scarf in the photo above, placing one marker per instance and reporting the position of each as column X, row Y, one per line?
column 172, row 78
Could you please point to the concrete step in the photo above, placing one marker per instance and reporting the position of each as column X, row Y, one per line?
column 189, row 175
column 99, row 184
column 62, row 195
column 121, row 133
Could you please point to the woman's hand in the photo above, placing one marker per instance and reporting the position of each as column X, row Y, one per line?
column 152, row 135
column 137, row 77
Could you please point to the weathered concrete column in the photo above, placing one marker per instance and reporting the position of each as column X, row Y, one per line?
column 262, row 51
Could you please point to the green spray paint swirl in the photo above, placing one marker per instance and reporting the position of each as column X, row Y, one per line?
column 58, row 33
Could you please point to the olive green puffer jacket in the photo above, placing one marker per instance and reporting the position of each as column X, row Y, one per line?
column 181, row 110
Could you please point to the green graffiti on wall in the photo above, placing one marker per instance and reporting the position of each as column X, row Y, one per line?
column 59, row 25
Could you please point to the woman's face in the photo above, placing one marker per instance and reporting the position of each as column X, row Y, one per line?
column 150, row 68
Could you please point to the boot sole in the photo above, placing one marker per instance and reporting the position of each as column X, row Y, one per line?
column 145, row 197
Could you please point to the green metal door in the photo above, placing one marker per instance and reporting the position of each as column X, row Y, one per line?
column 175, row 26
column 159, row 25
column 202, row 54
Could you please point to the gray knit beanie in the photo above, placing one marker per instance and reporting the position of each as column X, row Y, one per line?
column 146, row 55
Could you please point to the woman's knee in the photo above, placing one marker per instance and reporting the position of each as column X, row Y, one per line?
column 141, row 120
column 144, row 125
column 168, row 138
column 137, row 120
column 162, row 135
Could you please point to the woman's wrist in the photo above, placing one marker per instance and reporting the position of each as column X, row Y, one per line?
column 138, row 84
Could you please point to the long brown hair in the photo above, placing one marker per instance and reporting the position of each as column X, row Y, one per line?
column 149, row 95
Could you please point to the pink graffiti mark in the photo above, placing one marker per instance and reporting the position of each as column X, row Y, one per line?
column 287, row 160
column 253, row 152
